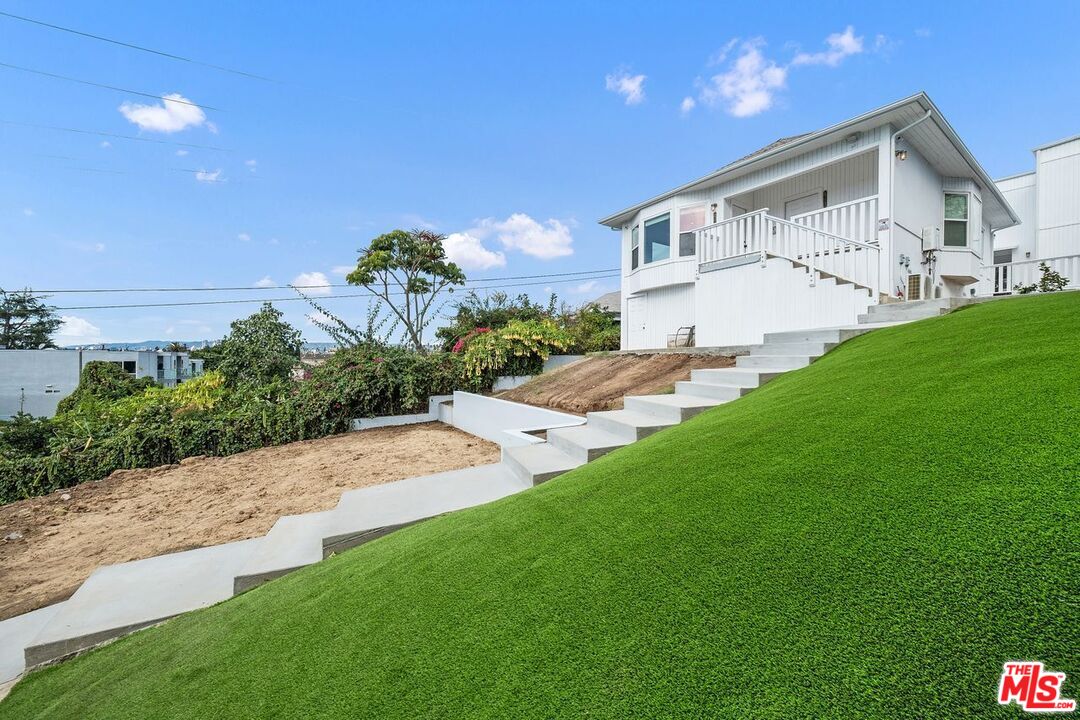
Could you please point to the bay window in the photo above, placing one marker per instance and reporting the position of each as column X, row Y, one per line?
column 690, row 219
column 634, row 250
column 658, row 238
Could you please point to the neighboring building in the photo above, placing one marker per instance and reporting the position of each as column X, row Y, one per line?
column 611, row 303
column 811, row 230
column 34, row 381
column 1047, row 199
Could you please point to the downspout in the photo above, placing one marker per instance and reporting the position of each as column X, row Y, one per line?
column 892, row 186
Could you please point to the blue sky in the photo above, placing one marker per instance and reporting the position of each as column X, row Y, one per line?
column 511, row 128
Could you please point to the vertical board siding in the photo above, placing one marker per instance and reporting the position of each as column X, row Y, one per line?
column 1058, row 209
column 847, row 180
column 666, row 310
column 1021, row 194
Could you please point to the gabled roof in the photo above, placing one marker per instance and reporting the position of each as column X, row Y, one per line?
column 935, row 140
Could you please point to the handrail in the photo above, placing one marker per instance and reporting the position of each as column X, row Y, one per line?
column 838, row 206
column 727, row 221
column 830, row 235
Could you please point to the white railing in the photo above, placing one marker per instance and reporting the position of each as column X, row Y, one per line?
column 856, row 220
column 762, row 234
column 1008, row 275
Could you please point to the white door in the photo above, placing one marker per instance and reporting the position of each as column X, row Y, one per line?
column 635, row 316
column 804, row 204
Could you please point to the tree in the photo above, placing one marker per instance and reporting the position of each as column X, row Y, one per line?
column 259, row 349
column 175, row 346
column 25, row 321
column 408, row 270
column 492, row 310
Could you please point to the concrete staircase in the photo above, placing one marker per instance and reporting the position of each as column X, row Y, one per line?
column 120, row 599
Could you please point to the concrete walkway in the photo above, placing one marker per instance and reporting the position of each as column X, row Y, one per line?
column 120, row 599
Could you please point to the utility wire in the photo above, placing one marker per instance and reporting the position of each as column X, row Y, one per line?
column 106, row 87
column 132, row 46
column 294, row 299
column 308, row 287
column 113, row 135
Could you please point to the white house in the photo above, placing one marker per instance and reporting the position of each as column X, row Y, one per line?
column 35, row 381
column 811, row 230
column 1047, row 199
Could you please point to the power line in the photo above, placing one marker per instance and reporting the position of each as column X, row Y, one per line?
column 104, row 86
column 583, row 273
column 132, row 46
column 295, row 299
column 113, row 135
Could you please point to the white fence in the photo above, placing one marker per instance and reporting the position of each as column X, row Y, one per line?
column 1008, row 275
column 856, row 220
column 763, row 234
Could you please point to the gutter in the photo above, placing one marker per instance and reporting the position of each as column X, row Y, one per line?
column 892, row 189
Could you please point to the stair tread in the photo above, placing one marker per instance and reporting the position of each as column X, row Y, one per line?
column 634, row 418
column 542, row 458
column 681, row 401
column 589, row 438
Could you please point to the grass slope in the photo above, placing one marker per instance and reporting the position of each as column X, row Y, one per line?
column 872, row 536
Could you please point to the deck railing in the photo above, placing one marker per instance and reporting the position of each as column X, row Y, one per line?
column 1008, row 275
column 762, row 234
column 856, row 219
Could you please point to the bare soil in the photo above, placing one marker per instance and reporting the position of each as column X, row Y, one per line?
column 56, row 542
column 599, row 382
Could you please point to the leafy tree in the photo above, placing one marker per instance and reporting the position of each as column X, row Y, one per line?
column 210, row 355
column 104, row 381
column 408, row 270
column 25, row 321
column 593, row 329
column 176, row 347
column 259, row 349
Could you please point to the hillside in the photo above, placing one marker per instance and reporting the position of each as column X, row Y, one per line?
column 872, row 536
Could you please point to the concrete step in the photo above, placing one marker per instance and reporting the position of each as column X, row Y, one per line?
column 727, row 393
column 735, row 377
column 826, row 335
column 675, row 408
column 367, row 513
column 118, row 599
column 585, row 443
column 775, row 362
column 628, row 424
column 538, row 463
column 813, row 349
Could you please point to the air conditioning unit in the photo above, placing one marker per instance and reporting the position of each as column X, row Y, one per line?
column 931, row 238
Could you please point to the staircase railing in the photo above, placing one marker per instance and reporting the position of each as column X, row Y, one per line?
column 765, row 235
column 1026, row 272
column 856, row 219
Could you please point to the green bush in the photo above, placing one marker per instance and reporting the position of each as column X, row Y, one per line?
column 519, row 348
column 592, row 330
column 103, row 381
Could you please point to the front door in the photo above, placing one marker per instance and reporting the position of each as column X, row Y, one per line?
column 635, row 317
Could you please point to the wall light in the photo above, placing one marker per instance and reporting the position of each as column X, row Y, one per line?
column 901, row 154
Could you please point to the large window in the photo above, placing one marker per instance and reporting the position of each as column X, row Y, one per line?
column 658, row 238
column 956, row 220
column 635, row 251
column 690, row 219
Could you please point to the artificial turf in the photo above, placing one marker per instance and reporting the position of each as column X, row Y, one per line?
column 872, row 536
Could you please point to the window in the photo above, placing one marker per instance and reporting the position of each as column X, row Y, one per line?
column 956, row 220
column 690, row 219
column 635, row 253
column 658, row 238
column 1003, row 257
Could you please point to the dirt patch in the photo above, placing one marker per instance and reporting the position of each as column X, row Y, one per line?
column 55, row 543
column 599, row 382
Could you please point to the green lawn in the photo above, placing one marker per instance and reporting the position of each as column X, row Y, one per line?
column 872, row 536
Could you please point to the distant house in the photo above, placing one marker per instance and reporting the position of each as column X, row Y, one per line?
column 811, row 230
column 1047, row 199
column 34, row 381
column 611, row 303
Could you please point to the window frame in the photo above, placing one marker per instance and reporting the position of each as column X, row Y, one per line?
column 647, row 254
column 704, row 207
column 966, row 220
column 635, row 247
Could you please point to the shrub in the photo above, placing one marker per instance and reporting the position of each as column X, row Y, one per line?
column 492, row 311
column 103, row 381
column 1050, row 281
column 592, row 329
column 519, row 348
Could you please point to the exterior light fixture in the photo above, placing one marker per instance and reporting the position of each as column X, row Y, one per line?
column 901, row 154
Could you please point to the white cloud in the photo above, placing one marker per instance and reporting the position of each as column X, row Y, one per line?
column 469, row 252
column 274, row 241
column 77, row 331
column 168, row 117
column 28, row 212
column 718, row 57
column 631, row 87
column 105, row 144
column 688, row 104
column 312, row 278
column 243, row 237
column 748, row 86
column 265, row 282
column 586, row 287
column 342, row 269
column 252, row 165
column 840, row 45
column 98, row 247
column 208, row 176
column 181, row 153
column 547, row 240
